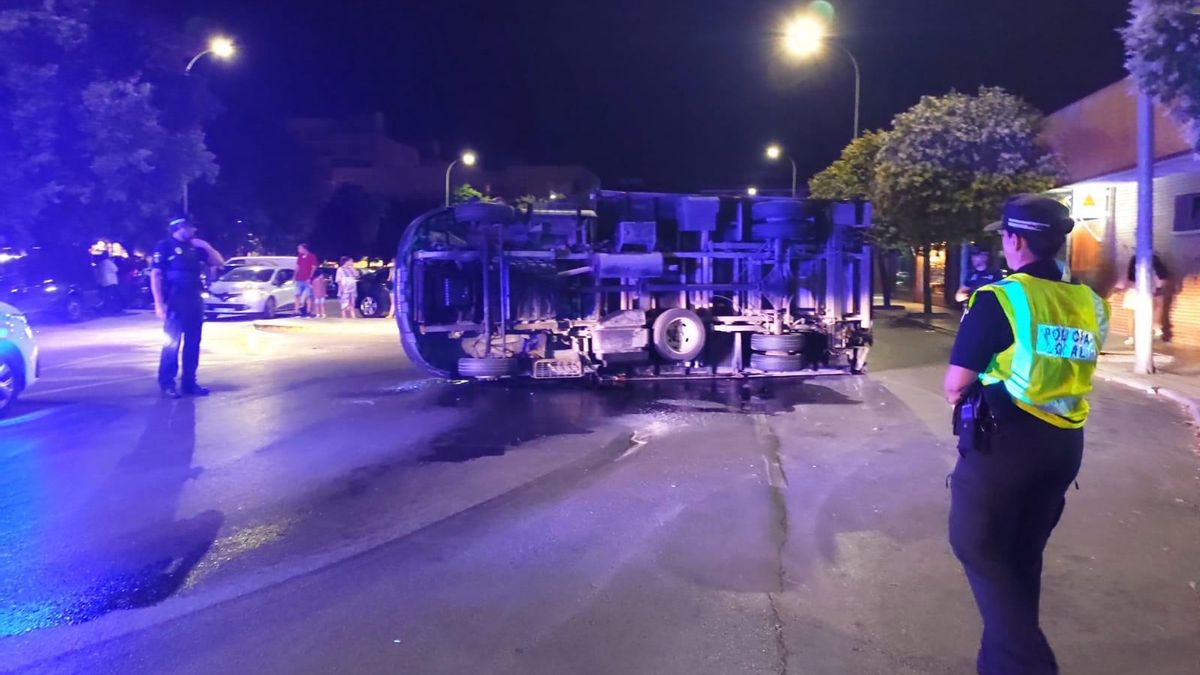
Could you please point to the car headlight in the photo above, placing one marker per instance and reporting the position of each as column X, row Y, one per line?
column 205, row 295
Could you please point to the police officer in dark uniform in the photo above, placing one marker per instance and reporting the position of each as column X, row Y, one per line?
column 1019, row 374
column 175, row 280
column 981, row 273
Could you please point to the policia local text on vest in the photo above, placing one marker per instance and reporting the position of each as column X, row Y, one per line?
column 1020, row 372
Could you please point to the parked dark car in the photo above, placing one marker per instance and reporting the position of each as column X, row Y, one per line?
column 374, row 290
column 48, row 283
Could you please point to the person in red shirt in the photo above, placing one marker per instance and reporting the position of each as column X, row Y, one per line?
column 306, row 265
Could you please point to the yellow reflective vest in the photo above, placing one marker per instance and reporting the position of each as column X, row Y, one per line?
column 1058, row 330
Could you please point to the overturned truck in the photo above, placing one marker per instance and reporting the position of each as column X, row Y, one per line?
column 637, row 285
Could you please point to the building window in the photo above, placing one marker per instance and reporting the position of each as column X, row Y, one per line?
column 1187, row 214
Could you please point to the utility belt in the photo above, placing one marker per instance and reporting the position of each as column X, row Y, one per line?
column 974, row 421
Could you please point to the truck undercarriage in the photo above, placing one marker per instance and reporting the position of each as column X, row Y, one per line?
column 637, row 285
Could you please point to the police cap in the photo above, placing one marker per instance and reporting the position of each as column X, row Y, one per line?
column 1034, row 216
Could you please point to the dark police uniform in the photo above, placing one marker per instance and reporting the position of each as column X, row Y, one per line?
column 1008, row 495
column 977, row 279
column 181, row 265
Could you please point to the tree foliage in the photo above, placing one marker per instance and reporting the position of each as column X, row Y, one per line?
column 467, row 193
column 950, row 161
column 1162, row 47
column 97, row 132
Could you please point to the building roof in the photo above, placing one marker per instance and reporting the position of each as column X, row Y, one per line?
column 1097, row 135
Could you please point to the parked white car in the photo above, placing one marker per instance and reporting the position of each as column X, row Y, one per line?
column 261, row 290
column 18, row 356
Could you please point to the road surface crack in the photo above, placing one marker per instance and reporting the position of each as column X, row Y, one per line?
column 777, row 484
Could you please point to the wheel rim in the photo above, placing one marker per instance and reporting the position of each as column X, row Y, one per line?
column 369, row 306
column 682, row 335
column 74, row 310
column 8, row 385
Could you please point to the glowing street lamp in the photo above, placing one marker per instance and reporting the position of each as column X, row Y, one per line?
column 468, row 158
column 752, row 191
column 804, row 36
column 774, row 153
column 220, row 47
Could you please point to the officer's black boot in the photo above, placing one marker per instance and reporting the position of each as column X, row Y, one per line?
column 195, row 390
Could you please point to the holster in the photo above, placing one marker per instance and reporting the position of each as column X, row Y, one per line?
column 973, row 421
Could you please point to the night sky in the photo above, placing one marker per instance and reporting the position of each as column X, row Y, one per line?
column 680, row 94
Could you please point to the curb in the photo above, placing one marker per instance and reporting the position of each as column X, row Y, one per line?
column 314, row 327
column 1190, row 405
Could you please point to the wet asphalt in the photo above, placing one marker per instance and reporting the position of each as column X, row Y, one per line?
column 332, row 509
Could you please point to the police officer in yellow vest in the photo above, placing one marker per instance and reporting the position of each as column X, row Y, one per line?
column 1020, row 372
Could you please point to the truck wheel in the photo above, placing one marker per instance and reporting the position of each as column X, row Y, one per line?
column 679, row 334
column 472, row 367
column 485, row 212
column 776, row 363
column 762, row 342
column 780, row 209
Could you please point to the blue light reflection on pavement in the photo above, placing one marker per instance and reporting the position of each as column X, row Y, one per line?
column 72, row 550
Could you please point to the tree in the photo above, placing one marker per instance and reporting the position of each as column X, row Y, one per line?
column 950, row 161
column 94, row 138
column 852, row 177
column 1162, row 47
column 467, row 193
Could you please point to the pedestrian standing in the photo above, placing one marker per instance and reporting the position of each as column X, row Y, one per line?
column 306, row 266
column 320, row 291
column 347, row 283
column 175, row 282
column 106, row 276
column 1020, row 372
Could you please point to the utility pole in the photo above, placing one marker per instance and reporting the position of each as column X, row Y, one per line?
column 1143, row 319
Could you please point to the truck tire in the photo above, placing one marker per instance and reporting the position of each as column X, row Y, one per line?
column 485, row 368
column 679, row 334
column 777, row 363
column 780, row 209
column 783, row 229
column 485, row 212
column 791, row 342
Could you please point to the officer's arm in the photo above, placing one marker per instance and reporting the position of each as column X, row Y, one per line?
column 956, row 382
column 214, row 259
column 156, row 287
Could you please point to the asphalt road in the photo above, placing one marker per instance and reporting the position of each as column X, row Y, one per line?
column 331, row 509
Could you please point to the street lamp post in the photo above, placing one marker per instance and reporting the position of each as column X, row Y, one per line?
column 804, row 36
column 468, row 158
column 774, row 152
column 219, row 47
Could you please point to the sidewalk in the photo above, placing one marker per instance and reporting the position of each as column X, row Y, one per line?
column 1177, row 379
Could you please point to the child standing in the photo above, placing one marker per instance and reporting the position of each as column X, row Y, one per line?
column 320, row 290
column 347, row 282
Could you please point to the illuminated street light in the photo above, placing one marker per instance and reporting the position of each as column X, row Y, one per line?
column 752, row 191
column 221, row 47
column 468, row 158
column 804, row 36
column 774, row 152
